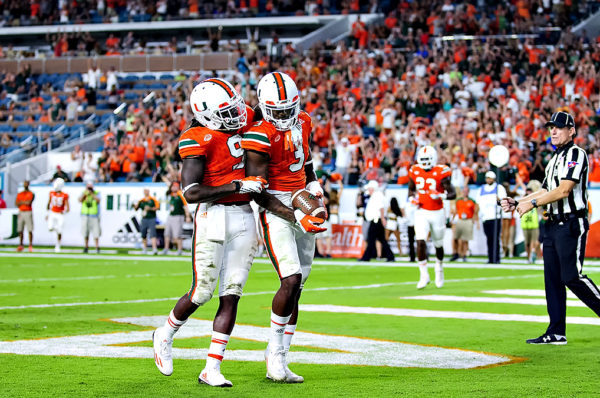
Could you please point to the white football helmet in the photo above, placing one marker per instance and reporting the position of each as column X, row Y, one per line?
column 279, row 100
column 217, row 105
column 427, row 157
column 58, row 184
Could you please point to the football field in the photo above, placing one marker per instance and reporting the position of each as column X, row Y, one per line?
column 82, row 324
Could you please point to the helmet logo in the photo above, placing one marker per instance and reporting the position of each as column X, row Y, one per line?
column 200, row 110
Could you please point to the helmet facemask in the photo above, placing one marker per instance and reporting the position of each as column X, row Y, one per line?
column 229, row 116
column 283, row 117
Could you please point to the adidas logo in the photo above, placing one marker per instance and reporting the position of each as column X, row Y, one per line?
column 129, row 232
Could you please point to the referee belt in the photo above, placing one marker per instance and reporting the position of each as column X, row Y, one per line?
column 556, row 218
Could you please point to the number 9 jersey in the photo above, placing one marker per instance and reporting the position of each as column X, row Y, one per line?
column 286, row 159
column 429, row 182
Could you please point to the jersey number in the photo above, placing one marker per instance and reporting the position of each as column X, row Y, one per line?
column 298, row 154
column 235, row 149
column 420, row 183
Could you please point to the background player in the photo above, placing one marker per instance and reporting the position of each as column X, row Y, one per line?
column 58, row 204
column 225, row 237
column 277, row 149
column 430, row 184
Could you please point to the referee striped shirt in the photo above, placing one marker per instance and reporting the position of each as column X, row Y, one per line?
column 569, row 162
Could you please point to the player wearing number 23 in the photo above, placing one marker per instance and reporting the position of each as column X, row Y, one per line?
column 225, row 237
column 429, row 183
column 277, row 149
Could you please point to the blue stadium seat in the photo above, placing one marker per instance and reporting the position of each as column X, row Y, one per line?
column 102, row 106
column 46, row 97
column 131, row 96
column 5, row 128
column 167, row 77
column 147, row 179
column 141, row 86
column 148, row 77
column 157, row 86
column 18, row 118
column 44, row 128
column 24, row 128
column 131, row 78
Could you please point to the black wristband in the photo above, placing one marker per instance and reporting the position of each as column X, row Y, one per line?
column 238, row 185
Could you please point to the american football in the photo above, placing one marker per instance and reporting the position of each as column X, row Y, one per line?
column 308, row 203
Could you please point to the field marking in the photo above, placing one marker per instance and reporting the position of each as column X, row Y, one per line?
column 494, row 300
column 525, row 292
column 314, row 289
column 515, row 264
column 484, row 316
column 7, row 294
column 90, row 277
column 357, row 350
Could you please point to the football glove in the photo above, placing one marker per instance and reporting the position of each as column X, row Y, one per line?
column 315, row 188
column 308, row 223
column 437, row 195
column 252, row 184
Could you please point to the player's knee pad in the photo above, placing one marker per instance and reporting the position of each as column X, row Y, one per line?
column 201, row 295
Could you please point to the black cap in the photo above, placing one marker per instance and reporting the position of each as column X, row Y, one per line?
column 560, row 120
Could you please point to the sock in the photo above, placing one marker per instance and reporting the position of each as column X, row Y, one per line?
column 172, row 325
column 287, row 336
column 278, row 324
column 423, row 267
column 218, row 343
column 439, row 265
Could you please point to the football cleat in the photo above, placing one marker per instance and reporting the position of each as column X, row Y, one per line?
column 162, row 352
column 276, row 364
column 213, row 378
column 290, row 377
column 20, row 248
column 554, row 339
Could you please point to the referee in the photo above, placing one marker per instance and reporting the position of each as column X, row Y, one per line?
column 564, row 194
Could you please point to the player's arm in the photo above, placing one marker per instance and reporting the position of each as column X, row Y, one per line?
column 449, row 188
column 67, row 207
column 48, row 205
column 257, row 165
column 194, row 191
column 312, row 182
column 412, row 188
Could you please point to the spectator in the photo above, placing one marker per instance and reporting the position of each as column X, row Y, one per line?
column 90, row 216
column 530, row 225
column 488, row 197
column 23, row 201
column 149, row 205
column 59, row 173
column 178, row 213
column 392, row 226
column 375, row 216
column 465, row 214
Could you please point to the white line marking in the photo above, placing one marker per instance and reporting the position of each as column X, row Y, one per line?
column 524, row 292
column 315, row 289
column 509, row 265
column 7, row 294
column 358, row 351
column 63, row 297
column 495, row 300
column 90, row 277
column 580, row 320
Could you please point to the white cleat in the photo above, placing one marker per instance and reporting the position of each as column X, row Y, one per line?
column 162, row 352
column 276, row 364
column 439, row 277
column 57, row 248
column 290, row 377
column 213, row 378
column 424, row 281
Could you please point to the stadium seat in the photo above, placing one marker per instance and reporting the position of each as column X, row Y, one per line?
column 102, row 106
column 44, row 128
column 6, row 128
column 131, row 78
column 167, row 77
column 131, row 96
column 148, row 77
column 24, row 128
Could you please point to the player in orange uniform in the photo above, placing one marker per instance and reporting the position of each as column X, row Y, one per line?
column 277, row 149
column 225, row 236
column 58, row 204
column 430, row 183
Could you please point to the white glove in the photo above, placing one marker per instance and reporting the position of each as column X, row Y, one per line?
column 438, row 195
column 315, row 188
column 252, row 184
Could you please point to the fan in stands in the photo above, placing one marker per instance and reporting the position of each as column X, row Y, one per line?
column 309, row 204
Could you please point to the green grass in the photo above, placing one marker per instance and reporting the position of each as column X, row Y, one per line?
column 28, row 280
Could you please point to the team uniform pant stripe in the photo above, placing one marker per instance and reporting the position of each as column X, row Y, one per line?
column 267, row 240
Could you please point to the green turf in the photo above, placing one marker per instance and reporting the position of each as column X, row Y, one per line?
column 25, row 280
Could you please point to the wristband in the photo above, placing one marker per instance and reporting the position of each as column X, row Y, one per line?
column 238, row 185
column 188, row 187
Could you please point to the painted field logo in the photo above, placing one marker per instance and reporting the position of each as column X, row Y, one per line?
column 345, row 350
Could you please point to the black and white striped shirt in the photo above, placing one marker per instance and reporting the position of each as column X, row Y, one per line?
column 569, row 162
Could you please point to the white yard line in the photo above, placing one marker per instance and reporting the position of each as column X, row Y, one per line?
column 7, row 294
column 81, row 278
column 485, row 316
column 316, row 289
column 524, row 292
column 494, row 300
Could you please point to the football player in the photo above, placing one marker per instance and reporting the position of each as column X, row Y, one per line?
column 225, row 236
column 277, row 149
column 58, row 204
column 429, row 183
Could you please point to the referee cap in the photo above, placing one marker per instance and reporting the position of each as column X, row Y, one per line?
column 560, row 120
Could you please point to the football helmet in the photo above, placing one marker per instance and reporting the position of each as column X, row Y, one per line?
column 279, row 100
column 58, row 184
column 217, row 105
column 427, row 157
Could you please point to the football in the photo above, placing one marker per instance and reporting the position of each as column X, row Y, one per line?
column 308, row 203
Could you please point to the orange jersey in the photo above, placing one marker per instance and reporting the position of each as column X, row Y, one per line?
column 286, row 161
column 223, row 153
column 428, row 182
column 58, row 201
column 465, row 208
column 24, row 196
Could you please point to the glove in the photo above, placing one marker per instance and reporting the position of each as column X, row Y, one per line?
column 437, row 195
column 252, row 184
column 309, row 223
column 315, row 188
